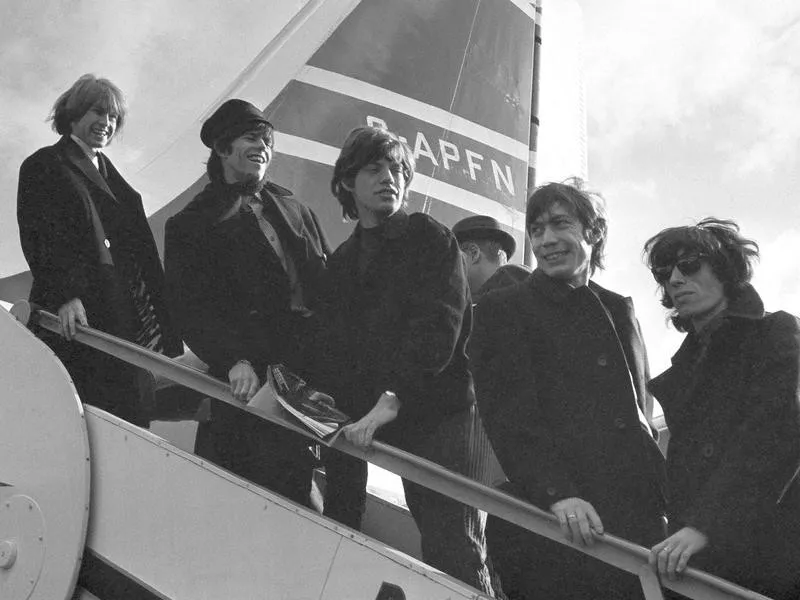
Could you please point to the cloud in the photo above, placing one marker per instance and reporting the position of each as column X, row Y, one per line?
column 700, row 65
column 777, row 276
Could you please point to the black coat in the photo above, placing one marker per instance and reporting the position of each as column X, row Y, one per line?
column 506, row 275
column 232, row 300
column 229, row 292
column 402, row 326
column 733, row 411
column 558, row 376
column 61, row 244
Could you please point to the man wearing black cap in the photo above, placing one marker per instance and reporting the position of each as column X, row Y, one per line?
column 487, row 248
column 243, row 261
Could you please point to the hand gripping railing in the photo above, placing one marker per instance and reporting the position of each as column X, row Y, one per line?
column 610, row 549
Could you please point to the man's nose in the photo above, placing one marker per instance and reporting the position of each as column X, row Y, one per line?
column 548, row 236
column 387, row 175
column 676, row 277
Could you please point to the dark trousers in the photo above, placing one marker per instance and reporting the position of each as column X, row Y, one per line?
column 106, row 382
column 531, row 566
column 257, row 450
column 452, row 533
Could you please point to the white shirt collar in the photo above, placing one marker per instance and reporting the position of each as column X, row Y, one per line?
column 91, row 153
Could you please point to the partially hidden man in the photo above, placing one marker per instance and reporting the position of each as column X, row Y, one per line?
column 487, row 248
column 90, row 249
column 560, row 371
column 243, row 261
column 399, row 318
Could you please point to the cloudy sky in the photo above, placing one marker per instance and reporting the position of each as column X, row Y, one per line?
column 693, row 110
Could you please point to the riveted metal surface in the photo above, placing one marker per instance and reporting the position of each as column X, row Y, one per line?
column 22, row 536
column 44, row 456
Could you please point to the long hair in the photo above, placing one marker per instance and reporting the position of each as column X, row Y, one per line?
column 86, row 93
column 364, row 146
column 729, row 254
column 587, row 207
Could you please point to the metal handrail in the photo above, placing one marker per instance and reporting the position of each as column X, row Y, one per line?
column 610, row 549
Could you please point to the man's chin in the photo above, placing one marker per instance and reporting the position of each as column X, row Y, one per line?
column 251, row 183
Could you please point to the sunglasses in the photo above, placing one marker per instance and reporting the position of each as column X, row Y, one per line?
column 688, row 265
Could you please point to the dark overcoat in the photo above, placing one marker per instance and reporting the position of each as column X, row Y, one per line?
column 559, row 373
column 510, row 274
column 232, row 300
column 732, row 406
column 57, row 185
column 61, row 244
column 402, row 325
column 227, row 286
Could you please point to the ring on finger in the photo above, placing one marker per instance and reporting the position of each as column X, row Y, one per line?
column 572, row 516
column 666, row 549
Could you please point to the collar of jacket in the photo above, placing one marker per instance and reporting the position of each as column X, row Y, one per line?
column 507, row 275
column 392, row 228
column 747, row 306
column 215, row 200
column 554, row 289
column 75, row 155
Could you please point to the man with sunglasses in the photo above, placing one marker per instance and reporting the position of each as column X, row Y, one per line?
column 243, row 261
column 560, row 371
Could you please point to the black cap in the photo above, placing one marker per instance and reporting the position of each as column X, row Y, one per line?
column 484, row 227
column 233, row 117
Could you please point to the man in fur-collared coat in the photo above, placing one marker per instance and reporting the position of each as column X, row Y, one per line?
column 242, row 263
column 90, row 249
column 560, row 371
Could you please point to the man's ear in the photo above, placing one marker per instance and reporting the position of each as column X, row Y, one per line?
column 592, row 235
column 472, row 252
column 220, row 150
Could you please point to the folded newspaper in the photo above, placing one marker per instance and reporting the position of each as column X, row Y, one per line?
column 315, row 410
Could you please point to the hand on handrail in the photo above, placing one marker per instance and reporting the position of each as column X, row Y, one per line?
column 578, row 519
column 71, row 312
column 672, row 555
column 244, row 381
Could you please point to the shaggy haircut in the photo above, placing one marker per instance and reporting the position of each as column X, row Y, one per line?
column 87, row 93
column 224, row 145
column 364, row 146
column 729, row 254
column 587, row 207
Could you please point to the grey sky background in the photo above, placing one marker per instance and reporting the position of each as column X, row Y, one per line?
column 693, row 106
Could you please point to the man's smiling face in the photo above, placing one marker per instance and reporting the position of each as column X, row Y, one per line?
column 248, row 158
column 560, row 246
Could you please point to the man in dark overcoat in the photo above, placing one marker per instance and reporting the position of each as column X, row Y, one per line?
column 560, row 371
column 90, row 249
column 731, row 401
column 243, row 261
column 398, row 318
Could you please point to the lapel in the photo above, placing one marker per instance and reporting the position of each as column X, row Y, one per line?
column 77, row 160
column 293, row 226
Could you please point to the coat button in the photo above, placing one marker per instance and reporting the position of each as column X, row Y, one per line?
column 602, row 360
column 551, row 491
column 107, row 243
column 708, row 450
column 620, row 423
